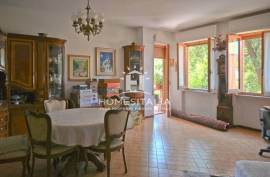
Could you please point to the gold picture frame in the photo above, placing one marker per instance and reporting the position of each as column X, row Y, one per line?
column 105, row 62
column 78, row 67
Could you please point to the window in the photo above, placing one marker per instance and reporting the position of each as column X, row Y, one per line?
column 245, row 63
column 197, row 66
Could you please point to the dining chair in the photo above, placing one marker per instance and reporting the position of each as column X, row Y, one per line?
column 115, row 124
column 15, row 149
column 53, row 105
column 39, row 128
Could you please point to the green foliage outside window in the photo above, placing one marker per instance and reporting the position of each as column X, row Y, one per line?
column 158, row 72
column 198, row 66
column 252, row 57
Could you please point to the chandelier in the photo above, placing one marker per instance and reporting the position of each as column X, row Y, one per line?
column 88, row 22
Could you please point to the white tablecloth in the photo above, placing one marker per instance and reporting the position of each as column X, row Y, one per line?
column 80, row 126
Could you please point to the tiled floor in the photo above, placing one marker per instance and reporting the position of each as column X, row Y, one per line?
column 163, row 147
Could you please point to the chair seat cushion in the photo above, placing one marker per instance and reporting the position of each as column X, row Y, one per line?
column 246, row 168
column 56, row 149
column 14, row 147
column 20, row 154
column 102, row 146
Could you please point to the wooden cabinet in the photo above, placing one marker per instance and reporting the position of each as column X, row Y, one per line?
column 133, row 57
column 4, row 122
column 137, row 97
column 225, row 106
column 36, row 65
column 55, row 69
column 17, row 119
column 4, row 116
column 22, row 62
column 108, row 88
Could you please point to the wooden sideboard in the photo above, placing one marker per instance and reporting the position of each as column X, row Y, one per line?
column 35, row 67
column 137, row 97
column 4, row 121
column 17, row 119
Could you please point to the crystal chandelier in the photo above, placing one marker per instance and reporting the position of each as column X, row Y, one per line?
column 88, row 22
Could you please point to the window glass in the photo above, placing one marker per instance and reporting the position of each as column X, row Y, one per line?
column 252, row 65
column 198, row 66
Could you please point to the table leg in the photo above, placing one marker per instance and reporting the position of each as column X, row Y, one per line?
column 94, row 158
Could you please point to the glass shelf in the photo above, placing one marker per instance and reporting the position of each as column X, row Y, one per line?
column 56, row 71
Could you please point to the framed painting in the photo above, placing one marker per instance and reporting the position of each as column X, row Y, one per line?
column 105, row 62
column 78, row 67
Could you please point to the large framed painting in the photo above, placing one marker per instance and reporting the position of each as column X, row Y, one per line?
column 105, row 62
column 78, row 67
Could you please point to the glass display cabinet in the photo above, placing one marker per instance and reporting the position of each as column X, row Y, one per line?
column 133, row 58
column 133, row 62
column 55, row 70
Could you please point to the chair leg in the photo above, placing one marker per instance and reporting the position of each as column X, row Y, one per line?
column 77, row 154
column 84, row 151
column 33, row 166
column 108, row 156
column 28, row 165
column 124, row 158
column 48, row 167
column 105, row 156
column 24, row 168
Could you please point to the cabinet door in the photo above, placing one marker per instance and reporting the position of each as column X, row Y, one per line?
column 17, row 117
column 22, row 63
column 55, row 70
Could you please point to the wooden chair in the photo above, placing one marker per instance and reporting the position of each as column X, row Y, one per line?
column 54, row 105
column 115, row 123
column 15, row 149
column 39, row 129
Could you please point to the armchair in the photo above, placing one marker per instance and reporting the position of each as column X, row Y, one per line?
column 265, row 122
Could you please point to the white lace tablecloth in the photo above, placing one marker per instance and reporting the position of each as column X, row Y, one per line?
column 80, row 126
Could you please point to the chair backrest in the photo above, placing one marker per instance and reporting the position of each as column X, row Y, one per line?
column 39, row 128
column 113, row 102
column 54, row 105
column 265, row 118
column 115, row 123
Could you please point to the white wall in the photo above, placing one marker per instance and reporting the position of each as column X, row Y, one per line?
column 246, row 108
column 149, row 38
column 29, row 21
column 193, row 102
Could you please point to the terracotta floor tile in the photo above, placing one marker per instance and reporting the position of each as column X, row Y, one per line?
column 164, row 147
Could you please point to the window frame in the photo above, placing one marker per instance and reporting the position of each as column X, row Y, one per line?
column 185, row 46
column 240, row 37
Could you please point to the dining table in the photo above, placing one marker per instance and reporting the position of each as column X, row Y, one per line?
column 83, row 127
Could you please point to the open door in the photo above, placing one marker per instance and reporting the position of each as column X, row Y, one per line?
column 161, row 77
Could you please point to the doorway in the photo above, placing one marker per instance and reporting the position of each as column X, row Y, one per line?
column 161, row 77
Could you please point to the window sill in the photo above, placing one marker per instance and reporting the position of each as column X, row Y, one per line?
column 251, row 96
column 198, row 91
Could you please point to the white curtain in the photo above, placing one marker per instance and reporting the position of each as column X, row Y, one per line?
column 267, row 63
column 213, row 66
column 181, row 66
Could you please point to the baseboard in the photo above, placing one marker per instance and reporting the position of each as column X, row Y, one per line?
column 245, row 127
column 150, row 116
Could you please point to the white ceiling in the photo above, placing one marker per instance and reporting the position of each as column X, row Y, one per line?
column 170, row 15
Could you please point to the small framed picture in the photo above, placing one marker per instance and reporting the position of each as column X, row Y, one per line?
column 78, row 67
column 105, row 62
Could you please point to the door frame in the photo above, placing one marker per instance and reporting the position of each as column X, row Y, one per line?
column 165, row 54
